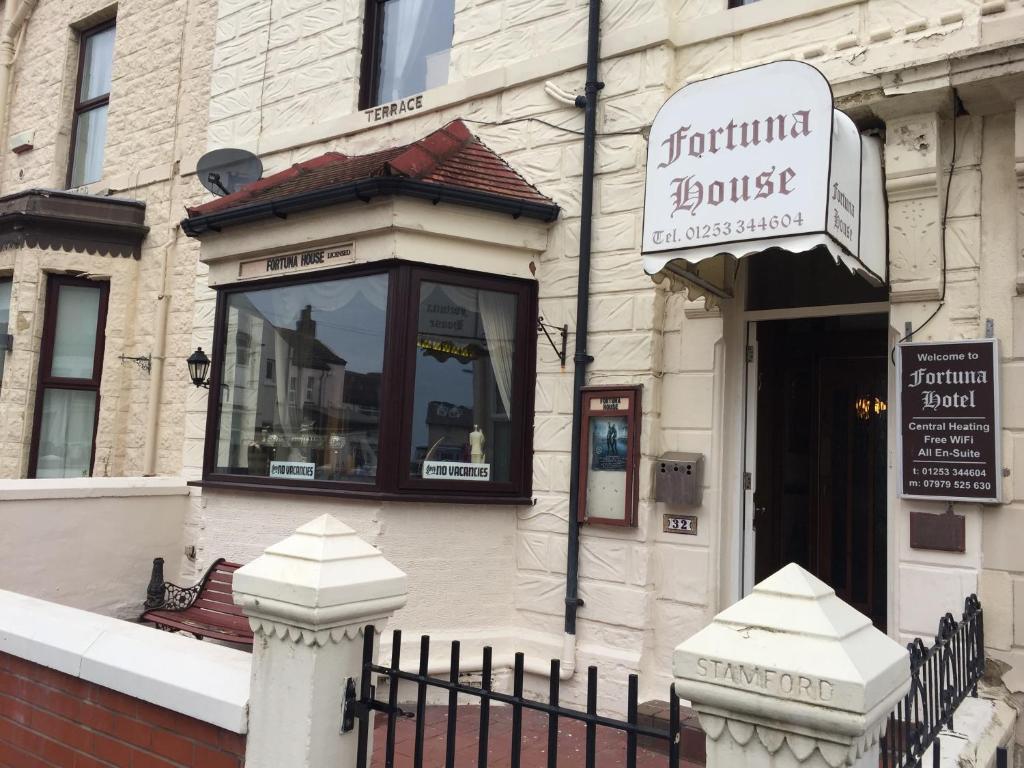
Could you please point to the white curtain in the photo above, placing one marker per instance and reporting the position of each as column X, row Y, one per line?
column 282, row 306
column 409, row 24
column 282, row 370
column 498, row 315
column 65, row 433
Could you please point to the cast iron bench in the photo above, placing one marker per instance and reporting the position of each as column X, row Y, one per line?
column 205, row 609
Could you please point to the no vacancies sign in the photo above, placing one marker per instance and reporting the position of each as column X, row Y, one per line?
column 760, row 158
column 949, row 421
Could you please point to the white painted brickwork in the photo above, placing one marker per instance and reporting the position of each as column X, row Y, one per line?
column 285, row 83
column 157, row 125
column 281, row 77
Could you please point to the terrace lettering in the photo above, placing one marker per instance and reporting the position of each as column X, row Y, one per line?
column 690, row 193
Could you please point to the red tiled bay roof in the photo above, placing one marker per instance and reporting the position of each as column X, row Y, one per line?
column 450, row 158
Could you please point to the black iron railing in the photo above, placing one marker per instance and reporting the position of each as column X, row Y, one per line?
column 359, row 704
column 941, row 677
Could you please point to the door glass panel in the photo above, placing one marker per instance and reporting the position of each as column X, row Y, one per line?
column 74, row 345
column 821, row 444
column 66, row 433
column 5, row 317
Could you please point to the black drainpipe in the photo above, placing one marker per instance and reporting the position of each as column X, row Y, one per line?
column 589, row 103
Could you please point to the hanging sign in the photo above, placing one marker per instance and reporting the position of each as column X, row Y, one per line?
column 949, row 421
column 758, row 159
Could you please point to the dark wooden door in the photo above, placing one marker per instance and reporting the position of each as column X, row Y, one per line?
column 821, row 447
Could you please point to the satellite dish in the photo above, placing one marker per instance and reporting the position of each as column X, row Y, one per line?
column 223, row 171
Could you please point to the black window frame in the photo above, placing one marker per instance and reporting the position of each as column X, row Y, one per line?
column 373, row 47
column 394, row 480
column 82, row 108
column 5, row 330
column 373, row 44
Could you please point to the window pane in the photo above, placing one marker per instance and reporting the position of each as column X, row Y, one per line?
column 74, row 338
column 65, row 433
column 417, row 43
column 90, row 138
column 97, row 63
column 5, row 319
column 302, row 378
column 465, row 359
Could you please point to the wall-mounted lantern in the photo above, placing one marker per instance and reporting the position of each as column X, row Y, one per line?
column 198, row 367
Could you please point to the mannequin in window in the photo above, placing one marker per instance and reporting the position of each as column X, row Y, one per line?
column 476, row 445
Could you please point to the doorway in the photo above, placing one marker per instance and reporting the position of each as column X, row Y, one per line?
column 820, row 453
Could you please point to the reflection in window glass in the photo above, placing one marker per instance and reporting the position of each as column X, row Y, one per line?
column 74, row 342
column 97, row 64
column 91, row 102
column 464, row 371
column 301, row 381
column 90, row 139
column 5, row 318
column 65, row 433
column 416, row 47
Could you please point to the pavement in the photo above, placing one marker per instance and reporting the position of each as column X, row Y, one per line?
column 610, row 752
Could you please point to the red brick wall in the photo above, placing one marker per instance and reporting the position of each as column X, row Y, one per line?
column 52, row 720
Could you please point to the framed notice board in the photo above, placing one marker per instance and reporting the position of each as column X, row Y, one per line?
column 950, row 441
column 609, row 455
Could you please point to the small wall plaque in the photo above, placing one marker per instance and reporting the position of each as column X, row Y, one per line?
column 944, row 533
column 686, row 524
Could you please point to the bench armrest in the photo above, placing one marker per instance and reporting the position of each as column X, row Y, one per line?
column 165, row 596
column 178, row 598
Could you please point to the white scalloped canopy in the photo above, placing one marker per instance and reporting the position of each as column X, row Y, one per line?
column 710, row 273
column 763, row 145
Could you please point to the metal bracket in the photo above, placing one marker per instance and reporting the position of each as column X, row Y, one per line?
column 352, row 707
column 349, row 707
column 563, row 331
column 990, row 328
column 145, row 363
column 908, row 331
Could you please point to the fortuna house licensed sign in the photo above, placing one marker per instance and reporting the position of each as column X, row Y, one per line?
column 949, row 421
column 758, row 159
column 298, row 261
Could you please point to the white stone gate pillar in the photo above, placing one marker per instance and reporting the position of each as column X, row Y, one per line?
column 791, row 676
column 308, row 599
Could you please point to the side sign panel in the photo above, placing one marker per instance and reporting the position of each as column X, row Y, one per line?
column 949, row 421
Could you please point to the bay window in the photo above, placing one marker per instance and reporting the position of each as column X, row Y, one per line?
column 405, row 381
